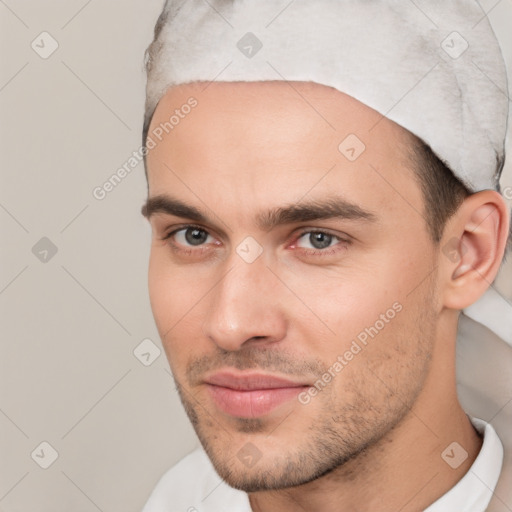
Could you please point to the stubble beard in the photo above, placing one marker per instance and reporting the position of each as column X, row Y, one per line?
column 340, row 433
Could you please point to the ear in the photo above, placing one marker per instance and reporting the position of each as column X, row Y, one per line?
column 472, row 248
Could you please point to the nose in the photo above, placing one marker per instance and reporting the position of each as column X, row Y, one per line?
column 244, row 307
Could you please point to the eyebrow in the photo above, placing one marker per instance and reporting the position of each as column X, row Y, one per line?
column 328, row 208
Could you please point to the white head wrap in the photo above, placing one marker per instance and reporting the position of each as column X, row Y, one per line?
column 434, row 67
column 436, row 70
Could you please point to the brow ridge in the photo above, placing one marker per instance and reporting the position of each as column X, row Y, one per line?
column 318, row 209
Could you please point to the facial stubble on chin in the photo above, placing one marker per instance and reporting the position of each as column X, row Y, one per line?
column 341, row 432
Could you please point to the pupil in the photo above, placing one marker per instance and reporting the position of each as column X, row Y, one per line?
column 320, row 240
column 195, row 236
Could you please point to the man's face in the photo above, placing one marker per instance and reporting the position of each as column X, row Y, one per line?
column 297, row 340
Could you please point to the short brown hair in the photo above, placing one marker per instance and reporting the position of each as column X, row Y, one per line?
column 442, row 191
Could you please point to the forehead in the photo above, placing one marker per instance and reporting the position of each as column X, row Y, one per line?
column 269, row 142
column 319, row 108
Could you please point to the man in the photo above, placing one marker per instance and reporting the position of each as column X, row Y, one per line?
column 322, row 196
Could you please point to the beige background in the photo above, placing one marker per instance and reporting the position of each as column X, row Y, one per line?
column 70, row 325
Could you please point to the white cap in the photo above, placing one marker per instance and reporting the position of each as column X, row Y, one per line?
column 433, row 67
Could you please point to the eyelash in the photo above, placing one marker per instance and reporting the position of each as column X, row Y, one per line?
column 307, row 252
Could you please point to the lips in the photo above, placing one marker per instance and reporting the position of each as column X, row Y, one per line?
column 250, row 395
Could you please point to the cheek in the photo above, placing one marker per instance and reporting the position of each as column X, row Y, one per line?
column 176, row 297
column 367, row 307
column 159, row 286
column 343, row 302
column 168, row 293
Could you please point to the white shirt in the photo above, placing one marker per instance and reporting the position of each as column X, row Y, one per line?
column 192, row 485
column 473, row 492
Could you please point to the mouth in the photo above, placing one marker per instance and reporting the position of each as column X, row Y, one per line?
column 250, row 395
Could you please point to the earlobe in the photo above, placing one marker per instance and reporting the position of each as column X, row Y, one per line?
column 476, row 239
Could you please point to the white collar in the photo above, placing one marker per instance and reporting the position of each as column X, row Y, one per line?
column 474, row 491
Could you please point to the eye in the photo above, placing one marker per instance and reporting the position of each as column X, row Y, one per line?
column 189, row 236
column 317, row 240
column 318, row 243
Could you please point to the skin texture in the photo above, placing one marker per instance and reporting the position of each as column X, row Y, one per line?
column 372, row 437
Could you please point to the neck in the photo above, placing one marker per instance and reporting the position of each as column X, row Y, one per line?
column 404, row 470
